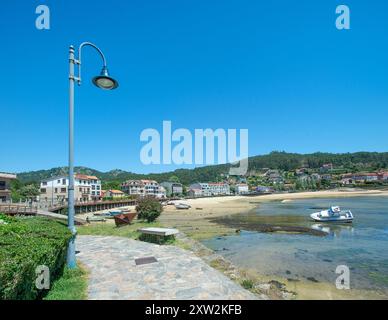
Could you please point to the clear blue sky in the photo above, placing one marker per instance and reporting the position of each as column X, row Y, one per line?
column 278, row 68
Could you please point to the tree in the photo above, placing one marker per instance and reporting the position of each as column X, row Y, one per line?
column 111, row 185
column 148, row 209
column 29, row 191
column 15, row 190
column 174, row 179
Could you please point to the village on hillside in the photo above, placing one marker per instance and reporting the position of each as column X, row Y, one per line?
column 91, row 188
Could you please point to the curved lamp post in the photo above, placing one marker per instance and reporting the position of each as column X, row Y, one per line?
column 105, row 82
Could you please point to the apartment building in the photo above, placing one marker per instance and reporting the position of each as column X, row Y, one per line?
column 210, row 189
column 360, row 177
column 5, row 187
column 143, row 188
column 219, row 188
column 55, row 190
column 172, row 188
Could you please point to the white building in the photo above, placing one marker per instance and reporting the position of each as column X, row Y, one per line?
column 55, row 190
column 242, row 188
column 219, row 188
column 143, row 188
column 210, row 189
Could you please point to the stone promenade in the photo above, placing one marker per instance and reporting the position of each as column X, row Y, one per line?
column 177, row 274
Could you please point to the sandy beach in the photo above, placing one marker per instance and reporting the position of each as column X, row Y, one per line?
column 195, row 221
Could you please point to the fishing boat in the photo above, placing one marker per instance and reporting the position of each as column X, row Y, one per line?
column 115, row 212
column 333, row 214
column 181, row 206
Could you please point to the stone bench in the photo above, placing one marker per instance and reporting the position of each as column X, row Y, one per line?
column 159, row 233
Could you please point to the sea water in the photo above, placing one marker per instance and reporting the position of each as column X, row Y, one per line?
column 361, row 245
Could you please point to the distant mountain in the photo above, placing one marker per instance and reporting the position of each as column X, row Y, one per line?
column 351, row 162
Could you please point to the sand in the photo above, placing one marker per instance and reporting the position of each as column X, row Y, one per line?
column 205, row 208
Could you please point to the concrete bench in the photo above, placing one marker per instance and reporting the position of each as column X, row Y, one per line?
column 159, row 233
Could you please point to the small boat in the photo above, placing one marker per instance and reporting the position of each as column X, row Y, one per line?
column 334, row 214
column 124, row 219
column 181, row 206
column 115, row 212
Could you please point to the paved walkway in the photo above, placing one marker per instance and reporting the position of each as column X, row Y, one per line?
column 177, row 274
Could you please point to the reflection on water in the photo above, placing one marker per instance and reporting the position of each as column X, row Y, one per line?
column 333, row 229
column 362, row 245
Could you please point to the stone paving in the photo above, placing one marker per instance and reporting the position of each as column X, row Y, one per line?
column 177, row 274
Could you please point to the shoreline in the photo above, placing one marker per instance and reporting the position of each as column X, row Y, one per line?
column 198, row 225
column 197, row 221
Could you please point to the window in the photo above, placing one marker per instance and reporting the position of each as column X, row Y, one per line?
column 2, row 185
column 93, row 187
column 63, row 190
column 58, row 181
column 63, row 181
column 93, row 193
column 43, row 190
column 56, row 190
column 98, row 187
column 44, row 183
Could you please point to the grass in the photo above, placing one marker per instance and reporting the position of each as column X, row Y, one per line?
column 247, row 284
column 71, row 286
column 110, row 229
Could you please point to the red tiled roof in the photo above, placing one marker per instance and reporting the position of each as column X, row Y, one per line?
column 116, row 191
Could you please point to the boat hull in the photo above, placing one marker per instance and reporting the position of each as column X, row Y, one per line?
column 346, row 218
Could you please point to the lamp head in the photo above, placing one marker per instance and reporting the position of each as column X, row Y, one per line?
column 104, row 81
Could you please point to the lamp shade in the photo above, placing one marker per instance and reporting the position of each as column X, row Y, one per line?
column 104, row 81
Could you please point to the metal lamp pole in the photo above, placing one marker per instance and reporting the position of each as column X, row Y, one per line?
column 103, row 81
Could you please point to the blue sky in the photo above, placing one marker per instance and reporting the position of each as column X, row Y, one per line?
column 280, row 69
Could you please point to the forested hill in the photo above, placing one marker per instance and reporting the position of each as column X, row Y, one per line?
column 351, row 162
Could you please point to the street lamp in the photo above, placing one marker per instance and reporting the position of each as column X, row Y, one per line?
column 105, row 82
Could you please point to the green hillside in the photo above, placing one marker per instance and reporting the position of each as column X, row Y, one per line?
column 347, row 162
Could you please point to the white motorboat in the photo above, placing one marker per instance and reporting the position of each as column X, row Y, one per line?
column 334, row 214
column 182, row 206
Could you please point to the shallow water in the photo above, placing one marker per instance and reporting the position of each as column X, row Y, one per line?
column 362, row 245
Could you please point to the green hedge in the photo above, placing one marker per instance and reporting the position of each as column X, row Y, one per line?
column 26, row 243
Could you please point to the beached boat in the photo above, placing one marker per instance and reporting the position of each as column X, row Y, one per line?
column 124, row 219
column 181, row 206
column 333, row 214
column 115, row 212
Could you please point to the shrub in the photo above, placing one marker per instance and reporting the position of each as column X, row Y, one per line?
column 26, row 243
column 247, row 284
column 6, row 219
column 148, row 209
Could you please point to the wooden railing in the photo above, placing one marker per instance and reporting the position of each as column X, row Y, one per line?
column 18, row 209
